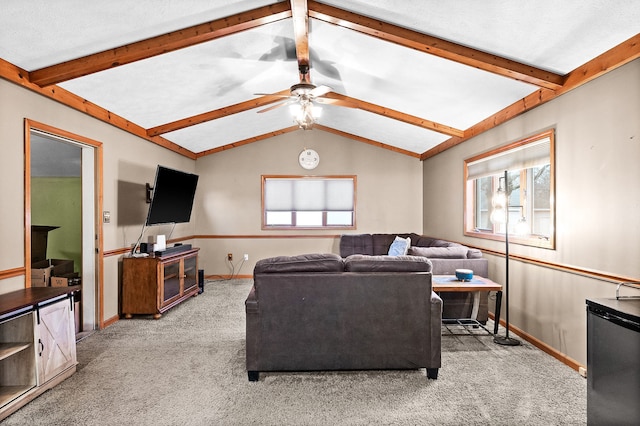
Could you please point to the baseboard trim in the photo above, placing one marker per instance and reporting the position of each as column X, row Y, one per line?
column 110, row 321
column 225, row 277
column 543, row 346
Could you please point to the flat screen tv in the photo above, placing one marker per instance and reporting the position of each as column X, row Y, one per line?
column 173, row 194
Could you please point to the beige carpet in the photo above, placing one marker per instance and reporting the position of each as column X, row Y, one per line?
column 188, row 369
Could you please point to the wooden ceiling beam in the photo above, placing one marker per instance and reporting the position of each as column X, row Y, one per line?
column 397, row 115
column 154, row 46
column 436, row 46
column 622, row 54
column 212, row 115
column 300, row 14
column 266, row 100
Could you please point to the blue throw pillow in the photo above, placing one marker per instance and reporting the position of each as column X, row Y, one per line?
column 399, row 246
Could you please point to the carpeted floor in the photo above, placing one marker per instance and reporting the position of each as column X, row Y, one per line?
column 188, row 369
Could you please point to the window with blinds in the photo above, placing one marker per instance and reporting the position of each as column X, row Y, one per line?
column 529, row 164
column 295, row 202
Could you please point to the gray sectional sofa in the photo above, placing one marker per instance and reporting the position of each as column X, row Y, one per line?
column 323, row 312
column 445, row 256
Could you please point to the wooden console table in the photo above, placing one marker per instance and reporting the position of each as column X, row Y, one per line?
column 476, row 285
column 152, row 285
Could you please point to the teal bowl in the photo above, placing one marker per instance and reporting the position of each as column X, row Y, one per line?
column 464, row 274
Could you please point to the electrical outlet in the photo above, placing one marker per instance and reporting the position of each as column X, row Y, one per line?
column 246, row 256
column 230, row 257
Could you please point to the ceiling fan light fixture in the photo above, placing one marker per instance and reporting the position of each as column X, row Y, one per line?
column 305, row 114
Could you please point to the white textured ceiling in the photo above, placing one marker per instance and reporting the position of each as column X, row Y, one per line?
column 549, row 35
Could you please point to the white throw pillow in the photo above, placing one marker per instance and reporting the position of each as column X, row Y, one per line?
column 399, row 246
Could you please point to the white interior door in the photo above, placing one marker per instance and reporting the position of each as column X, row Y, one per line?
column 89, row 239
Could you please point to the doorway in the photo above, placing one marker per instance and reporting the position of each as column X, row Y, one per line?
column 62, row 200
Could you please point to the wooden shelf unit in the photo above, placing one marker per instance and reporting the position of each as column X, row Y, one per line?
column 152, row 285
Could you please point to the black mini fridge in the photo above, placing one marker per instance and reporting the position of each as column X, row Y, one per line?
column 613, row 361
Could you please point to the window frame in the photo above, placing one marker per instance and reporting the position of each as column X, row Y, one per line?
column 469, row 195
column 293, row 226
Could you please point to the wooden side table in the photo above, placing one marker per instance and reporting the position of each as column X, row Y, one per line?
column 475, row 286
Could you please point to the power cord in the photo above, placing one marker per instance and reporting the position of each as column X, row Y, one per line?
column 232, row 268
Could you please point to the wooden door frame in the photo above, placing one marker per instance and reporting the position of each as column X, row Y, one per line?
column 30, row 125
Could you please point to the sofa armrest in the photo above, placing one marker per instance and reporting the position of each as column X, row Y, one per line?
column 251, row 304
column 436, row 330
column 436, row 302
column 252, row 330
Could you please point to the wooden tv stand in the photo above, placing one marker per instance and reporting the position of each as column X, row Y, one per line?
column 152, row 285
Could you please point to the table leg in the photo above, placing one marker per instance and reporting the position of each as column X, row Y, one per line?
column 476, row 305
column 496, row 320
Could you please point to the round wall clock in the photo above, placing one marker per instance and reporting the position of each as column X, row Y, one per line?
column 309, row 159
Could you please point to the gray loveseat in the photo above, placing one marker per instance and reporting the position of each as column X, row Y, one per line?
column 445, row 256
column 321, row 312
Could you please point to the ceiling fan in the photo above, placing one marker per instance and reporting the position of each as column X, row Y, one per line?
column 302, row 98
column 304, row 95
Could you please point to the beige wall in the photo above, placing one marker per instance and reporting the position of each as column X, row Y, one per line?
column 126, row 159
column 597, row 205
column 228, row 202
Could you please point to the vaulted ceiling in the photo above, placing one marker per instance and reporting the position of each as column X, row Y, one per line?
column 421, row 75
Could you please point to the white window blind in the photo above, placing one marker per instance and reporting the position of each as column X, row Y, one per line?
column 342, row 194
column 533, row 154
column 309, row 194
column 278, row 195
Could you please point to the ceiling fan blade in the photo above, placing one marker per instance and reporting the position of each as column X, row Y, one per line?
column 284, row 50
column 272, row 107
column 326, row 68
column 273, row 95
column 278, row 105
column 338, row 102
column 320, row 90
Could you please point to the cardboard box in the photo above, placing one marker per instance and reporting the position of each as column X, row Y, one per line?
column 41, row 272
column 65, row 280
column 40, row 275
column 61, row 266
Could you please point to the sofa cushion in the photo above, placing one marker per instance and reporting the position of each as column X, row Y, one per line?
column 440, row 252
column 381, row 243
column 474, row 254
column 314, row 262
column 356, row 244
column 363, row 263
column 423, row 241
column 378, row 244
column 399, row 246
column 444, row 243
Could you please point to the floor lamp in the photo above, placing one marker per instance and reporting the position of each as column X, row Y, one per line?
column 505, row 340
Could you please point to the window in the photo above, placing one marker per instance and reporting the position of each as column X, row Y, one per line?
column 318, row 202
column 529, row 187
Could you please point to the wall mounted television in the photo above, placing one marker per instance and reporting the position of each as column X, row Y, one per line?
column 173, row 195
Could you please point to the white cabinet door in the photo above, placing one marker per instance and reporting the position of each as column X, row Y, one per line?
column 55, row 339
